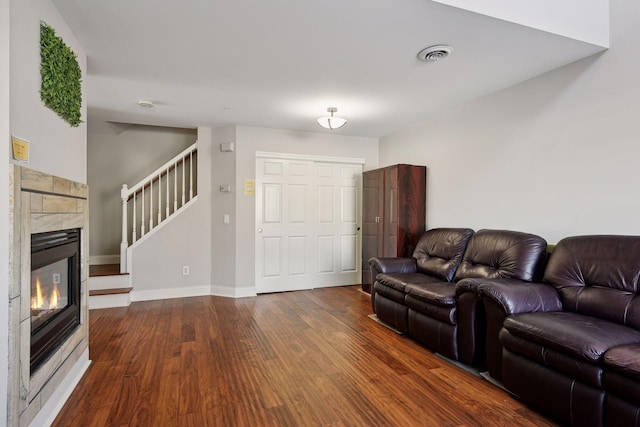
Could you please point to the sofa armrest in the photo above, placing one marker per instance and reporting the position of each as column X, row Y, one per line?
column 469, row 285
column 391, row 265
column 515, row 296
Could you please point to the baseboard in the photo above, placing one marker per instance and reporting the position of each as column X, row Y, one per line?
column 156, row 294
column 228, row 292
column 50, row 410
column 104, row 259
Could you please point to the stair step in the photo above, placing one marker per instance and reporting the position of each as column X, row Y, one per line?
column 97, row 292
column 99, row 270
column 109, row 297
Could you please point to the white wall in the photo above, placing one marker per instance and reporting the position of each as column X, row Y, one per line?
column 117, row 156
column 184, row 240
column 252, row 139
column 557, row 155
column 56, row 147
column 4, row 201
column 223, row 236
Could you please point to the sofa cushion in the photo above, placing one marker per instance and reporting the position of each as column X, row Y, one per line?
column 622, row 372
column 399, row 281
column 493, row 254
column 437, row 293
column 598, row 276
column 624, row 359
column 439, row 251
column 392, row 285
column 582, row 337
column 581, row 370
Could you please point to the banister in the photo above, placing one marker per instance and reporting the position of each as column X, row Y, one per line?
column 144, row 182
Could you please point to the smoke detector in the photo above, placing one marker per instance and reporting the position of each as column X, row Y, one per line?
column 435, row 53
column 144, row 103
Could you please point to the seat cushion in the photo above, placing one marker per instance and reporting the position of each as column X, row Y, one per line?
column 622, row 372
column 399, row 281
column 624, row 359
column 582, row 337
column 393, row 285
column 437, row 292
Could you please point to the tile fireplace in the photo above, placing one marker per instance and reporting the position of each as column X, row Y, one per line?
column 48, row 293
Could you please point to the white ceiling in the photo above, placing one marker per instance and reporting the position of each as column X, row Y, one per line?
column 281, row 63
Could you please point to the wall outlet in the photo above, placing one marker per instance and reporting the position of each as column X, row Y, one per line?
column 185, row 270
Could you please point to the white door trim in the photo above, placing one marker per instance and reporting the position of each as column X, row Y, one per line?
column 326, row 159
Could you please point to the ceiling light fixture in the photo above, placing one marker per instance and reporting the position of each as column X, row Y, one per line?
column 145, row 103
column 331, row 122
column 435, row 53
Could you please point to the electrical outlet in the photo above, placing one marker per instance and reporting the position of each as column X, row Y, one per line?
column 185, row 270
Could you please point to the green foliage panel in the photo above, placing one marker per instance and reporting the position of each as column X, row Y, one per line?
column 61, row 76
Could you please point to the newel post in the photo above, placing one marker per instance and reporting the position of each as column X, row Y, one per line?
column 124, row 195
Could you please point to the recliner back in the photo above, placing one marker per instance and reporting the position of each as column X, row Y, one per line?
column 439, row 251
column 598, row 276
column 506, row 254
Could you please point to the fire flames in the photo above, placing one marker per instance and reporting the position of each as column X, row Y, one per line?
column 40, row 302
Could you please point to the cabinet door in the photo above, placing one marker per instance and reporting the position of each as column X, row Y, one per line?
column 372, row 185
column 390, row 215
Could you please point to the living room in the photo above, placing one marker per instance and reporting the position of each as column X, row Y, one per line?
column 553, row 155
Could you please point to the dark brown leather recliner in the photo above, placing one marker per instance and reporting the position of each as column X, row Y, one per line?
column 436, row 258
column 448, row 321
column 560, row 338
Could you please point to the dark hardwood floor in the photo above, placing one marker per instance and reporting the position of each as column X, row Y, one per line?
column 308, row 358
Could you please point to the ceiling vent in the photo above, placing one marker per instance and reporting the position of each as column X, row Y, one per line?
column 435, row 53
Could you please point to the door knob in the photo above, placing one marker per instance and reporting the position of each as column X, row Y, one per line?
column 259, row 230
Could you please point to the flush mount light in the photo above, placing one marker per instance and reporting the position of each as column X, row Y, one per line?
column 144, row 103
column 435, row 53
column 332, row 122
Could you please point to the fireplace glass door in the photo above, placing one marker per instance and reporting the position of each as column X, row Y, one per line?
column 55, row 291
column 49, row 292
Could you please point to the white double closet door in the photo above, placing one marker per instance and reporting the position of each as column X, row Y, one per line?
column 307, row 223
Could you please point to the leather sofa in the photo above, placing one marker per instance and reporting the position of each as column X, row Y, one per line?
column 570, row 345
column 432, row 296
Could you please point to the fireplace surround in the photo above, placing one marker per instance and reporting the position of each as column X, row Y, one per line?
column 45, row 205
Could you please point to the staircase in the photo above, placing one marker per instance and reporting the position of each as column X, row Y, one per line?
column 146, row 207
column 108, row 287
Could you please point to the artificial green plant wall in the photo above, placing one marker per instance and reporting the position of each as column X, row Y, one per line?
column 61, row 76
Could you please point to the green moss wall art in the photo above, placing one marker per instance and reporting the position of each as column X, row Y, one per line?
column 60, row 89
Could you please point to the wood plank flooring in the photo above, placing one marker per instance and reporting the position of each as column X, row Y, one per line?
column 307, row 358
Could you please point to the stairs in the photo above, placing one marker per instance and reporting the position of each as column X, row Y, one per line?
column 108, row 287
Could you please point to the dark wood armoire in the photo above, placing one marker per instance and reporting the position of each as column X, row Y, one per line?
column 393, row 213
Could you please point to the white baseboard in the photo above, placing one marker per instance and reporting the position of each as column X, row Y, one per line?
column 225, row 291
column 157, row 294
column 50, row 410
column 104, row 259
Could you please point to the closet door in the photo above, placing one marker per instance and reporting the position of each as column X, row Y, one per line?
column 307, row 224
column 285, row 216
column 337, row 224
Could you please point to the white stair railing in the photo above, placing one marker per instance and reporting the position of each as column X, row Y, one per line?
column 138, row 207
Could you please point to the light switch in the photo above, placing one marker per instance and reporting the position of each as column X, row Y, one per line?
column 226, row 218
